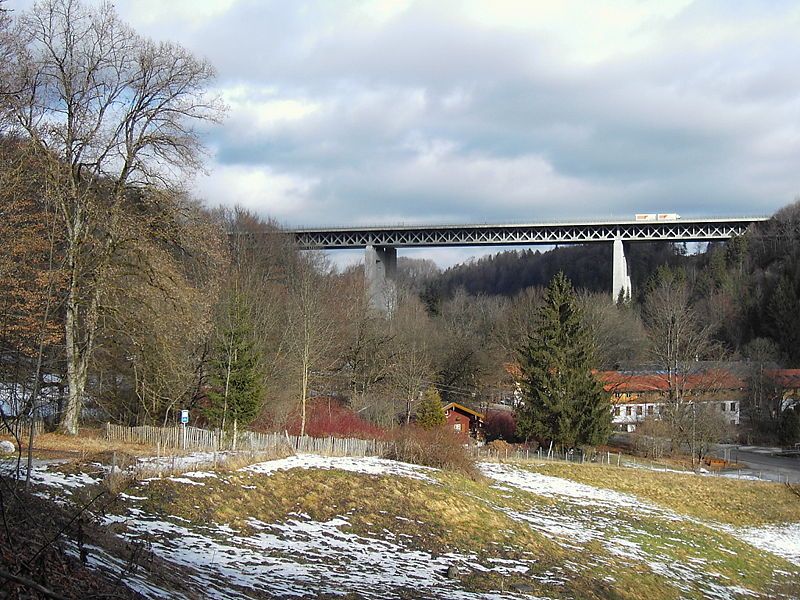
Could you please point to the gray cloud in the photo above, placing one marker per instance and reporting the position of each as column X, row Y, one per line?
column 436, row 111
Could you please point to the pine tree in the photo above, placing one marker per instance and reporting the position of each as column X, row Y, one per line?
column 783, row 318
column 562, row 400
column 429, row 412
column 236, row 384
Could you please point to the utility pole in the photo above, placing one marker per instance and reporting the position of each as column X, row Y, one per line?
column 693, row 430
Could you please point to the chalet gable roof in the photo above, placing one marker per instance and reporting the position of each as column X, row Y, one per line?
column 462, row 408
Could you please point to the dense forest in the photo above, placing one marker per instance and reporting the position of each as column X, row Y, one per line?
column 746, row 288
column 588, row 266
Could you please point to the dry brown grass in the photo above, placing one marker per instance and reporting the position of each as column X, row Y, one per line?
column 89, row 442
column 736, row 502
column 434, row 515
column 437, row 447
column 460, row 515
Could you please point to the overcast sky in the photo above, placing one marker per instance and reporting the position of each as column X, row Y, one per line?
column 495, row 111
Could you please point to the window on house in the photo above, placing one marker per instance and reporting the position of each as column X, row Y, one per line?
column 616, row 411
column 639, row 410
column 457, row 426
column 629, row 410
column 733, row 406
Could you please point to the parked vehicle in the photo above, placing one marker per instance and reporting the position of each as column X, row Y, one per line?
column 657, row 216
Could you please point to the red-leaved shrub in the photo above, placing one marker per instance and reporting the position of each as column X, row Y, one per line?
column 327, row 416
column 500, row 425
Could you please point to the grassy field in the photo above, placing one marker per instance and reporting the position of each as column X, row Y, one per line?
column 521, row 530
column 83, row 446
column 496, row 523
column 732, row 501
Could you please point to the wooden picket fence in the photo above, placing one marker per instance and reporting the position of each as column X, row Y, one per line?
column 21, row 428
column 194, row 438
column 331, row 446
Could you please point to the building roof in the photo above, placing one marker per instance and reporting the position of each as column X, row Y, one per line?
column 788, row 379
column 462, row 408
column 712, row 377
column 621, row 382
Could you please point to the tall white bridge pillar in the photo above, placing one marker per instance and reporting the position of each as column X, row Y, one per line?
column 380, row 271
column 621, row 274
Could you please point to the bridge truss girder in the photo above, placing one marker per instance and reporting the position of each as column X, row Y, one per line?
column 509, row 235
column 381, row 243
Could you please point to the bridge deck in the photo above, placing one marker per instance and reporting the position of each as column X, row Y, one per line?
column 690, row 230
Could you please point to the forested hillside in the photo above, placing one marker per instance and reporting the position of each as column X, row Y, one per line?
column 588, row 266
column 748, row 287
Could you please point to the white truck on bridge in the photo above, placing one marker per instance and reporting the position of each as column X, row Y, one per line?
column 657, row 216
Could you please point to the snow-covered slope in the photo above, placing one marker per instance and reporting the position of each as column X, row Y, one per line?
column 310, row 526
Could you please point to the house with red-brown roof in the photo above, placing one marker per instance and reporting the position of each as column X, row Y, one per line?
column 788, row 381
column 636, row 396
column 464, row 421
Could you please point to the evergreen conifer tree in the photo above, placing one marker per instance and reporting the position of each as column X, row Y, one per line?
column 562, row 400
column 429, row 412
column 236, row 387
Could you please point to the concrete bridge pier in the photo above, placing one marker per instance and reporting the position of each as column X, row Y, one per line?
column 621, row 273
column 380, row 271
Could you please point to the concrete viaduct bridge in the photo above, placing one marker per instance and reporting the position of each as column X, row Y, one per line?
column 381, row 243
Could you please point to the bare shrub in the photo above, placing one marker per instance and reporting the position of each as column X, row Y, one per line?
column 437, row 447
column 500, row 447
column 652, row 438
column 329, row 417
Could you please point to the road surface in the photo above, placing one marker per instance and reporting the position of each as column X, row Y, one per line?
column 761, row 462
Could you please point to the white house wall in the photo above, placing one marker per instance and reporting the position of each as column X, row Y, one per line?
column 631, row 413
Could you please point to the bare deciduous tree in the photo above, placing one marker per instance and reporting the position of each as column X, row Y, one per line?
column 368, row 348
column 617, row 329
column 412, row 362
column 106, row 110
column 677, row 342
column 311, row 333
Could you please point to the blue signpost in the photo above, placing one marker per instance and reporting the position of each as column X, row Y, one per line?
column 184, row 421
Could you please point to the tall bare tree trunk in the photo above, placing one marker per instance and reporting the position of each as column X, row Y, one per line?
column 304, row 390
column 76, row 372
column 103, row 107
column 79, row 347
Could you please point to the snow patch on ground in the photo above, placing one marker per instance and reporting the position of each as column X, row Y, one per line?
column 584, row 513
column 300, row 557
column 181, row 463
column 185, row 480
column 199, row 474
column 67, row 481
column 368, row 465
column 783, row 540
column 136, row 580
column 546, row 485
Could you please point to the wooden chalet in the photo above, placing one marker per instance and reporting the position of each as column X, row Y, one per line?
column 464, row 421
